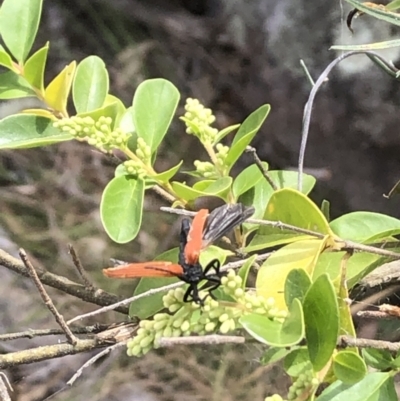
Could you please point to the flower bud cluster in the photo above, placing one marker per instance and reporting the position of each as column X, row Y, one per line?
column 138, row 167
column 198, row 121
column 205, row 169
column 184, row 319
column 97, row 133
column 209, row 170
column 222, row 153
column 303, row 382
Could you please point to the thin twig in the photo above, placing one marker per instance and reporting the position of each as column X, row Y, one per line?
column 46, row 352
column 232, row 265
column 375, row 314
column 260, row 166
column 345, row 245
column 72, row 339
column 212, row 339
column 87, row 364
column 163, row 193
column 97, row 297
column 347, row 341
column 79, row 267
column 92, row 360
column 97, row 328
column 4, row 394
column 308, row 106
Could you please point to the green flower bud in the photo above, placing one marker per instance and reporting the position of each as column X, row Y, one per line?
column 227, row 326
column 176, row 332
column 159, row 325
column 145, row 342
column 210, row 326
column 315, row 382
column 178, row 322
column 174, row 307
column 224, row 317
column 185, row 325
column 167, row 332
column 135, row 351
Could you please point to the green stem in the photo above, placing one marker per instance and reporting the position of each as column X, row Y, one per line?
column 164, row 188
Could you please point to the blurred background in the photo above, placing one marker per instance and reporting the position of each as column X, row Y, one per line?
column 233, row 55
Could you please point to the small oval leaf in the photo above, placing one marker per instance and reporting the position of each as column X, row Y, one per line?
column 90, row 85
column 154, row 106
column 321, row 315
column 349, row 367
column 121, row 208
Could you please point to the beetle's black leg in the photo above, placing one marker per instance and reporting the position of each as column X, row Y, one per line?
column 214, row 264
column 188, row 294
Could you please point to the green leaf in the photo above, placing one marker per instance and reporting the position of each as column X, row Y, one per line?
column 126, row 123
column 375, row 386
column 379, row 359
column 34, row 68
column 244, row 270
column 143, row 308
column 349, row 367
column 377, row 12
column 224, row 132
column 282, row 179
column 273, row 354
column 297, row 284
column 13, row 86
column 272, row 275
column 321, row 315
column 110, row 110
column 91, row 84
column 121, row 109
column 291, row 207
column 247, row 179
column 365, row 226
column 218, row 188
column 19, row 22
column 154, row 106
column 29, row 131
column 57, row 92
column 246, row 133
column 5, row 59
column 121, row 208
column 273, row 333
column 165, row 176
column 358, row 266
column 297, row 362
column 393, row 5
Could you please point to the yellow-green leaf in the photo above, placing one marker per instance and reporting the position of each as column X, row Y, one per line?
column 34, row 68
column 272, row 275
column 57, row 92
